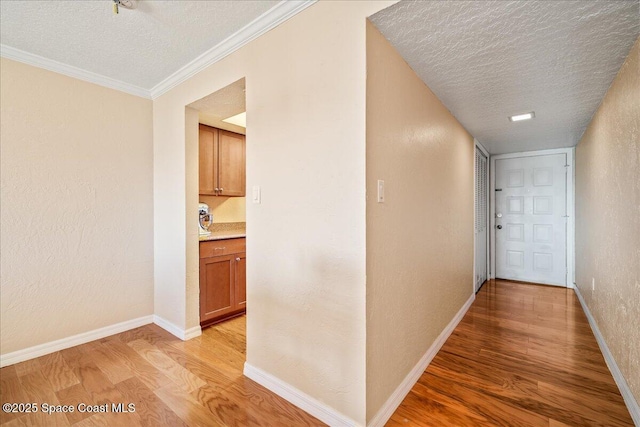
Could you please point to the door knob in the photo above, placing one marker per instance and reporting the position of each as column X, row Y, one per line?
column 499, row 227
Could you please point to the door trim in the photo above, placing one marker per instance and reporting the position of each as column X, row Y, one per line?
column 484, row 151
column 570, row 197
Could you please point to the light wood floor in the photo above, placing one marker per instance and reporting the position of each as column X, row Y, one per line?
column 171, row 382
column 524, row 355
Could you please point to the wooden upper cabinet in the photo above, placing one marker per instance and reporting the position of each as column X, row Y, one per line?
column 221, row 162
column 231, row 162
column 207, row 153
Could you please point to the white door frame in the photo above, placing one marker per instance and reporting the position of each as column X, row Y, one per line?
column 570, row 246
column 489, row 167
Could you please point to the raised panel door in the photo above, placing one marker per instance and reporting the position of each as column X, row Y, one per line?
column 217, row 290
column 207, row 153
column 531, row 219
column 231, row 162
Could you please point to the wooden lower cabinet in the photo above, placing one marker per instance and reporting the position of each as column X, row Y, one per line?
column 223, row 291
column 241, row 280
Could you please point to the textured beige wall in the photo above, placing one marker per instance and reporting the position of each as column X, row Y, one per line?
column 608, row 218
column 226, row 209
column 420, row 240
column 305, row 93
column 76, row 209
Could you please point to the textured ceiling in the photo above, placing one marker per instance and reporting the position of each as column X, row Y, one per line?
column 487, row 60
column 222, row 104
column 141, row 47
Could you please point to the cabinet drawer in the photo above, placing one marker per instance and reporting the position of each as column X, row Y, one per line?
column 222, row 247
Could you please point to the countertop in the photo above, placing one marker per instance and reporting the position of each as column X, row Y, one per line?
column 225, row 230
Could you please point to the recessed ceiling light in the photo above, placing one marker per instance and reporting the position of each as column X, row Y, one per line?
column 238, row 119
column 520, row 117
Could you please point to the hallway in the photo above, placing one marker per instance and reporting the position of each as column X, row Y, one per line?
column 523, row 355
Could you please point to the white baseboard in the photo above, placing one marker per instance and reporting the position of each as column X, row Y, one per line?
column 72, row 341
column 625, row 391
column 396, row 398
column 299, row 398
column 196, row 331
column 184, row 335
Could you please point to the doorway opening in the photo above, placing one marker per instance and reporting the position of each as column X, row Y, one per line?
column 216, row 136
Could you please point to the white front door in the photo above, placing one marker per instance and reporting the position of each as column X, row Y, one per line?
column 530, row 224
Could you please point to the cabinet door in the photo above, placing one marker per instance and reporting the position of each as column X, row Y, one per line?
column 231, row 163
column 241, row 280
column 207, row 155
column 217, row 286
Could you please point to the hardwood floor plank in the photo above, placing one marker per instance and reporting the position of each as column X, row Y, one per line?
column 151, row 377
column 11, row 391
column 151, row 409
column 73, row 396
column 497, row 411
column 224, row 353
column 16, row 422
column 196, row 363
column 56, row 370
column 187, row 407
column 38, row 389
column 265, row 405
column 150, row 333
column 97, row 420
column 171, row 382
column 434, row 409
column 72, row 356
column 113, row 367
column 229, row 411
column 521, row 393
column 608, row 411
column 102, row 392
column 523, row 355
column 26, row 367
column 212, row 357
column 227, row 337
column 8, row 372
column 176, row 373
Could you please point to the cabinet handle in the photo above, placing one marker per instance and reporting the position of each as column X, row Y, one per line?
column 221, row 189
column 216, row 190
column 238, row 259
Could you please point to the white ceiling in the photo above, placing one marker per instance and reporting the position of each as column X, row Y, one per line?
column 222, row 104
column 487, row 60
column 140, row 47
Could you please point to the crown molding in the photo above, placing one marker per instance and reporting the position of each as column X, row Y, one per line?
column 71, row 71
column 265, row 22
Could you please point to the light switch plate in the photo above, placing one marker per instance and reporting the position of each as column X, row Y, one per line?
column 380, row 191
column 256, row 198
